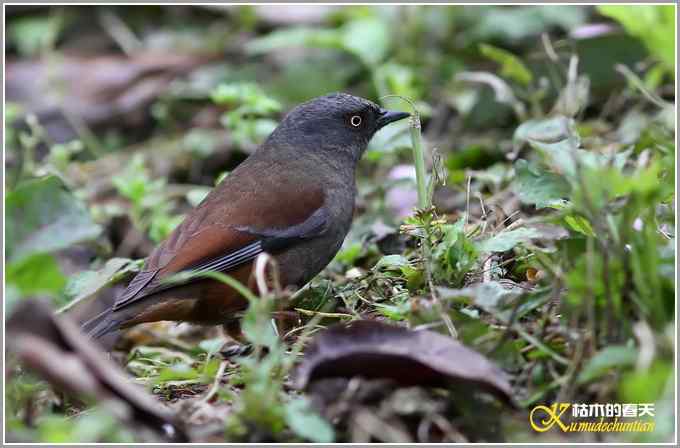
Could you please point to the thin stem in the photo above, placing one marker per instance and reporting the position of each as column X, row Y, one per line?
column 425, row 203
column 419, row 159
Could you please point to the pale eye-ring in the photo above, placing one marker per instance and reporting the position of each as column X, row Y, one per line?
column 355, row 121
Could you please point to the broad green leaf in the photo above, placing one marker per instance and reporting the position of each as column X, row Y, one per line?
column 548, row 131
column 43, row 217
column 507, row 240
column 580, row 224
column 246, row 94
column 36, row 274
column 462, row 254
column 489, row 296
column 511, row 66
column 555, row 137
column 654, row 25
column 86, row 283
column 613, row 357
column 307, row 423
column 398, row 80
column 558, row 140
column 368, row 39
column 539, row 187
column 516, row 24
column 646, row 386
column 389, row 262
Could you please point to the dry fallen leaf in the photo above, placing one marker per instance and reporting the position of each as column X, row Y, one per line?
column 373, row 349
column 54, row 347
column 96, row 91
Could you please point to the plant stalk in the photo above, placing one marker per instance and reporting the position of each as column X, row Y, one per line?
column 419, row 159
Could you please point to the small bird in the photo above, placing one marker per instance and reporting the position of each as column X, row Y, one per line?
column 293, row 198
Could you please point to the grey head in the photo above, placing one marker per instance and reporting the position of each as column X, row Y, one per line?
column 339, row 123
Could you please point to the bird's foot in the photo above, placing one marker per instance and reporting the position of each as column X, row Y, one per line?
column 235, row 349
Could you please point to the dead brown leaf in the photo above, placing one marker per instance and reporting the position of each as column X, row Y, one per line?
column 72, row 90
column 54, row 347
column 373, row 349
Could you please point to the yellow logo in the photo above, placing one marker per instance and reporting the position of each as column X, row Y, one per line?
column 593, row 417
column 550, row 416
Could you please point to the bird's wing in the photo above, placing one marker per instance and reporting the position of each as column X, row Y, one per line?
column 268, row 214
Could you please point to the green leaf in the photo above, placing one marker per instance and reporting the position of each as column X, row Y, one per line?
column 507, row 240
column 306, row 423
column 559, row 142
column 489, row 296
column 654, row 25
column 397, row 79
column 366, row 38
column 395, row 312
column 246, row 94
column 97, row 425
column 86, row 283
column 349, row 254
column 32, row 34
column 613, row 357
column 43, row 217
column 580, row 224
column 526, row 22
column 555, row 137
column 176, row 372
column 392, row 262
column 369, row 39
column 36, row 274
column 511, row 66
column 462, row 254
column 456, row 254
column 539, row 187
column 646, row 386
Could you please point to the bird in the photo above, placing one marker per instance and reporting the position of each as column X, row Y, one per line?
column 293, row 198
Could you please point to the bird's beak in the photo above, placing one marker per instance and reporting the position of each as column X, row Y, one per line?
column 388, row 116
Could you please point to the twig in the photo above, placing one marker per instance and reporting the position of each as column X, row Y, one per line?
column 467, row 201
column 319, row 313
column 538, row 344
column 216, row 383
column 549, row 50
column 639, row 84
column 120, row 33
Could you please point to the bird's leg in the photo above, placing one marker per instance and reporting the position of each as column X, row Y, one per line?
column 284, row 321
column 239, row 346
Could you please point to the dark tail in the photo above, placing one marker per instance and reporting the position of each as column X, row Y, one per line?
column 101, row 324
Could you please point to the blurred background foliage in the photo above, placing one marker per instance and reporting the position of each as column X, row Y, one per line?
column 553, row 237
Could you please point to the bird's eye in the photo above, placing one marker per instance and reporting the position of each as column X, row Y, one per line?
column 355, row 121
